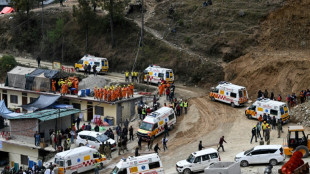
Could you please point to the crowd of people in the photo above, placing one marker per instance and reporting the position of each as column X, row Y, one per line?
column 266, row 124
column 291, row 99
column 113, row 93
column 69, row 85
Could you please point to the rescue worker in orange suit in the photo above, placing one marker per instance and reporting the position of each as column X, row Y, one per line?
column 101, row 94
column 124, row 92
column 105, row 94
column 76, row 85
column 128, row 91
column 120, row 92
column 160, row 90
column 98, row 93
column 53, row 86
column 131, row 89
column 95, row 92
column 109, row 94
column 112, row 95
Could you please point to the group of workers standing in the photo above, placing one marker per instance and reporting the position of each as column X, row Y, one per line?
column 69, row 84
column 113, row 93
column 134, row 76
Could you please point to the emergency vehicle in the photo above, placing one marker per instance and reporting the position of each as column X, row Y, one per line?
column 146, row 164
column 157, row 73
column 229, row 93
column 102, row 63
column 77, row 160
column 274, row 108
column 153, row 124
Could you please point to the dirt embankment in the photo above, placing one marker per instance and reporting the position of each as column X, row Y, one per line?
column 281, row 61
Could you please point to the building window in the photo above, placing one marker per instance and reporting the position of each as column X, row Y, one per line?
column 32, row 99
column 24, row 159
column 99, row 110
column 24, row 94
column 14, row 99
column 5, row 91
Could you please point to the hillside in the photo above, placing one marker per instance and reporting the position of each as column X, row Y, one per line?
column 281, row 61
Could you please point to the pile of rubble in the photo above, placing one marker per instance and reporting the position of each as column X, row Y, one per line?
column 94, row 81
column 300, row 114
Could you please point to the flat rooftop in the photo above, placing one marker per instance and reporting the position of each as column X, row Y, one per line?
column 69, row 96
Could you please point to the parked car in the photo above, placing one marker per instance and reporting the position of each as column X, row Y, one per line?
column 94, row 139
column 272, row 154
column 198, row 161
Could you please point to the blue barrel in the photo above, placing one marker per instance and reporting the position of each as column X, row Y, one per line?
column 87, row 92
column 105, row 120
column 82, row 92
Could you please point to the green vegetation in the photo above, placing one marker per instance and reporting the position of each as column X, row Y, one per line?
column 7, row 62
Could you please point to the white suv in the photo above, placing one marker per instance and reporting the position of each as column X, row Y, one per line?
column 272, row 154
column 94, row 139
column 198, row 161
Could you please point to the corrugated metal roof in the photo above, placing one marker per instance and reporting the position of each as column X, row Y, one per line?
column 48, row 114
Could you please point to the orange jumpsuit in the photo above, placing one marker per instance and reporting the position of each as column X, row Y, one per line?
column 105, row 94
column 98, row 94
column 160, row 90
column 128, row 92
column 124, row 92
column 95, row 93
column 109, row 95
column 168, row 85
column 116, row 94
column 101, row 93
column 131, row 90
column 53, row 85
column 112, row 95
column 120, row 93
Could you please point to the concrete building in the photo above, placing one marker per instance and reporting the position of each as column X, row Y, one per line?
column 90, row 107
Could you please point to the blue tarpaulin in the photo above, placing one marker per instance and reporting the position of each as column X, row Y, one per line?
column 5, row 112
column 42, row 102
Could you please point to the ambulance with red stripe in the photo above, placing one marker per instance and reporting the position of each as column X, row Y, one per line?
column 267, row 106
column 234, row 95
column 153, row 124
column 145, row 164
column 77, row 160
column 156, row 73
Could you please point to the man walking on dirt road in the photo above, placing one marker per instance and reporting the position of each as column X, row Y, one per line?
column 222, row 140
column 200, row 147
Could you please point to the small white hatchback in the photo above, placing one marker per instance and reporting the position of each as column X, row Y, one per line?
column 272, row 154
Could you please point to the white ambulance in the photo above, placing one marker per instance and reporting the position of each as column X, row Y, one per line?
column 77, row 160
column 153, row 124
column 274, row 108
column 102, row 63
column 146, row 164
column 229, row 93
column 156, row 73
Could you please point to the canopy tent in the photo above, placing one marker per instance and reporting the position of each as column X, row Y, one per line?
column 5, row 112
column 16, row 77
column 40, row 79
column 47, row 114
column 6, row 10
column 42, row 102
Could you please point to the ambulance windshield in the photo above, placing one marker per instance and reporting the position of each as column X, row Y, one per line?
column 115, row 170
column 146, row 126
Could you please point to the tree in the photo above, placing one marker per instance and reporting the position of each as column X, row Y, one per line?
column 85, row 16
column 115, row 8
column 7, row 62
column 23, row 5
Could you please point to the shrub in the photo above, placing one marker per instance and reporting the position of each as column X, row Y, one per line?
column 7, row 62
column 188, row 40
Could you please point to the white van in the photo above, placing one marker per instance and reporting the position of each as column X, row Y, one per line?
column 156, row 73
column 272, row 154
column 153, row 124
column 77, row 160
column 94, row 139
column 229, row 93
column 146, row 164
column 272, row 107
column 101, row 63
column 198, row 161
